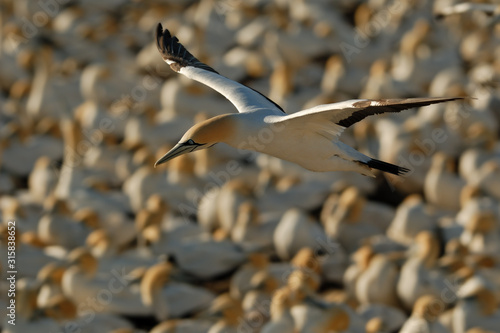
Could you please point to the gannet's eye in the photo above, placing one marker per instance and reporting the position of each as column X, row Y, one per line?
column 190, row 142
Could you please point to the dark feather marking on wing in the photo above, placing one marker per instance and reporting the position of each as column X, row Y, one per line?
column 170, row 49
column 386, row 167
column 388, row 105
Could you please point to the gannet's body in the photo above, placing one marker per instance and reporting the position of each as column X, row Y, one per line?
column 308, row 138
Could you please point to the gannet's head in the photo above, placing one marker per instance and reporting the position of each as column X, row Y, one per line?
column 201, row 136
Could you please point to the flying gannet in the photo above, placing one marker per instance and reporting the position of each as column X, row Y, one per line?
column 309, row 138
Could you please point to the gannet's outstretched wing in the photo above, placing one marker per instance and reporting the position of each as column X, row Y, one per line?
column 180, row 60
column 332, row 119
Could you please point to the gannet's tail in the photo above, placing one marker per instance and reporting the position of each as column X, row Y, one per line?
column 386, row 167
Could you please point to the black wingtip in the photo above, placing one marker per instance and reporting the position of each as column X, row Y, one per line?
column 175, row 53
column 166, row 45
column 161, row 38
column 158, row 36
column 386, row 167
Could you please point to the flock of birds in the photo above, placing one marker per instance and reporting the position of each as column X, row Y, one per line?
column 229, row 240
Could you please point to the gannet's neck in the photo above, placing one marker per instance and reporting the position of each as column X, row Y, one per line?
column 217, row 129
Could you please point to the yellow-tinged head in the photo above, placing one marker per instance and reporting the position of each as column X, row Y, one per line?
column 201, row 136
column 60, row 308
column 428, row 307
column 84, row 260
column 153, row 281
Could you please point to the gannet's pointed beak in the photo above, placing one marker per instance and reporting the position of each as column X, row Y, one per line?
column 178, row 150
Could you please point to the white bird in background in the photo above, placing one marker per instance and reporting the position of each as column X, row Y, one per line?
column 309, row 138
column 465, row 7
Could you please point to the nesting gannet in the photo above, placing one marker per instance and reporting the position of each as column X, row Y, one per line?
column 84, row 278
column 464, row 7
column 381, row 318
column 424, row 317
column 295, row 231
column 377, row 283
column 28, row 319
column 228, row 313
column 189, row 325
column 476, row 307
column 309, row 138
column 170, row 299
column 281, row 318
column 442, row 187
column 57, row 227
column 252, row 230
column 50, row 277
column 313, row 314
column 360, row 263
column 263, row 285
column 419, row 274
column 347, row 222
column 412, row 216
column 207, row 258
